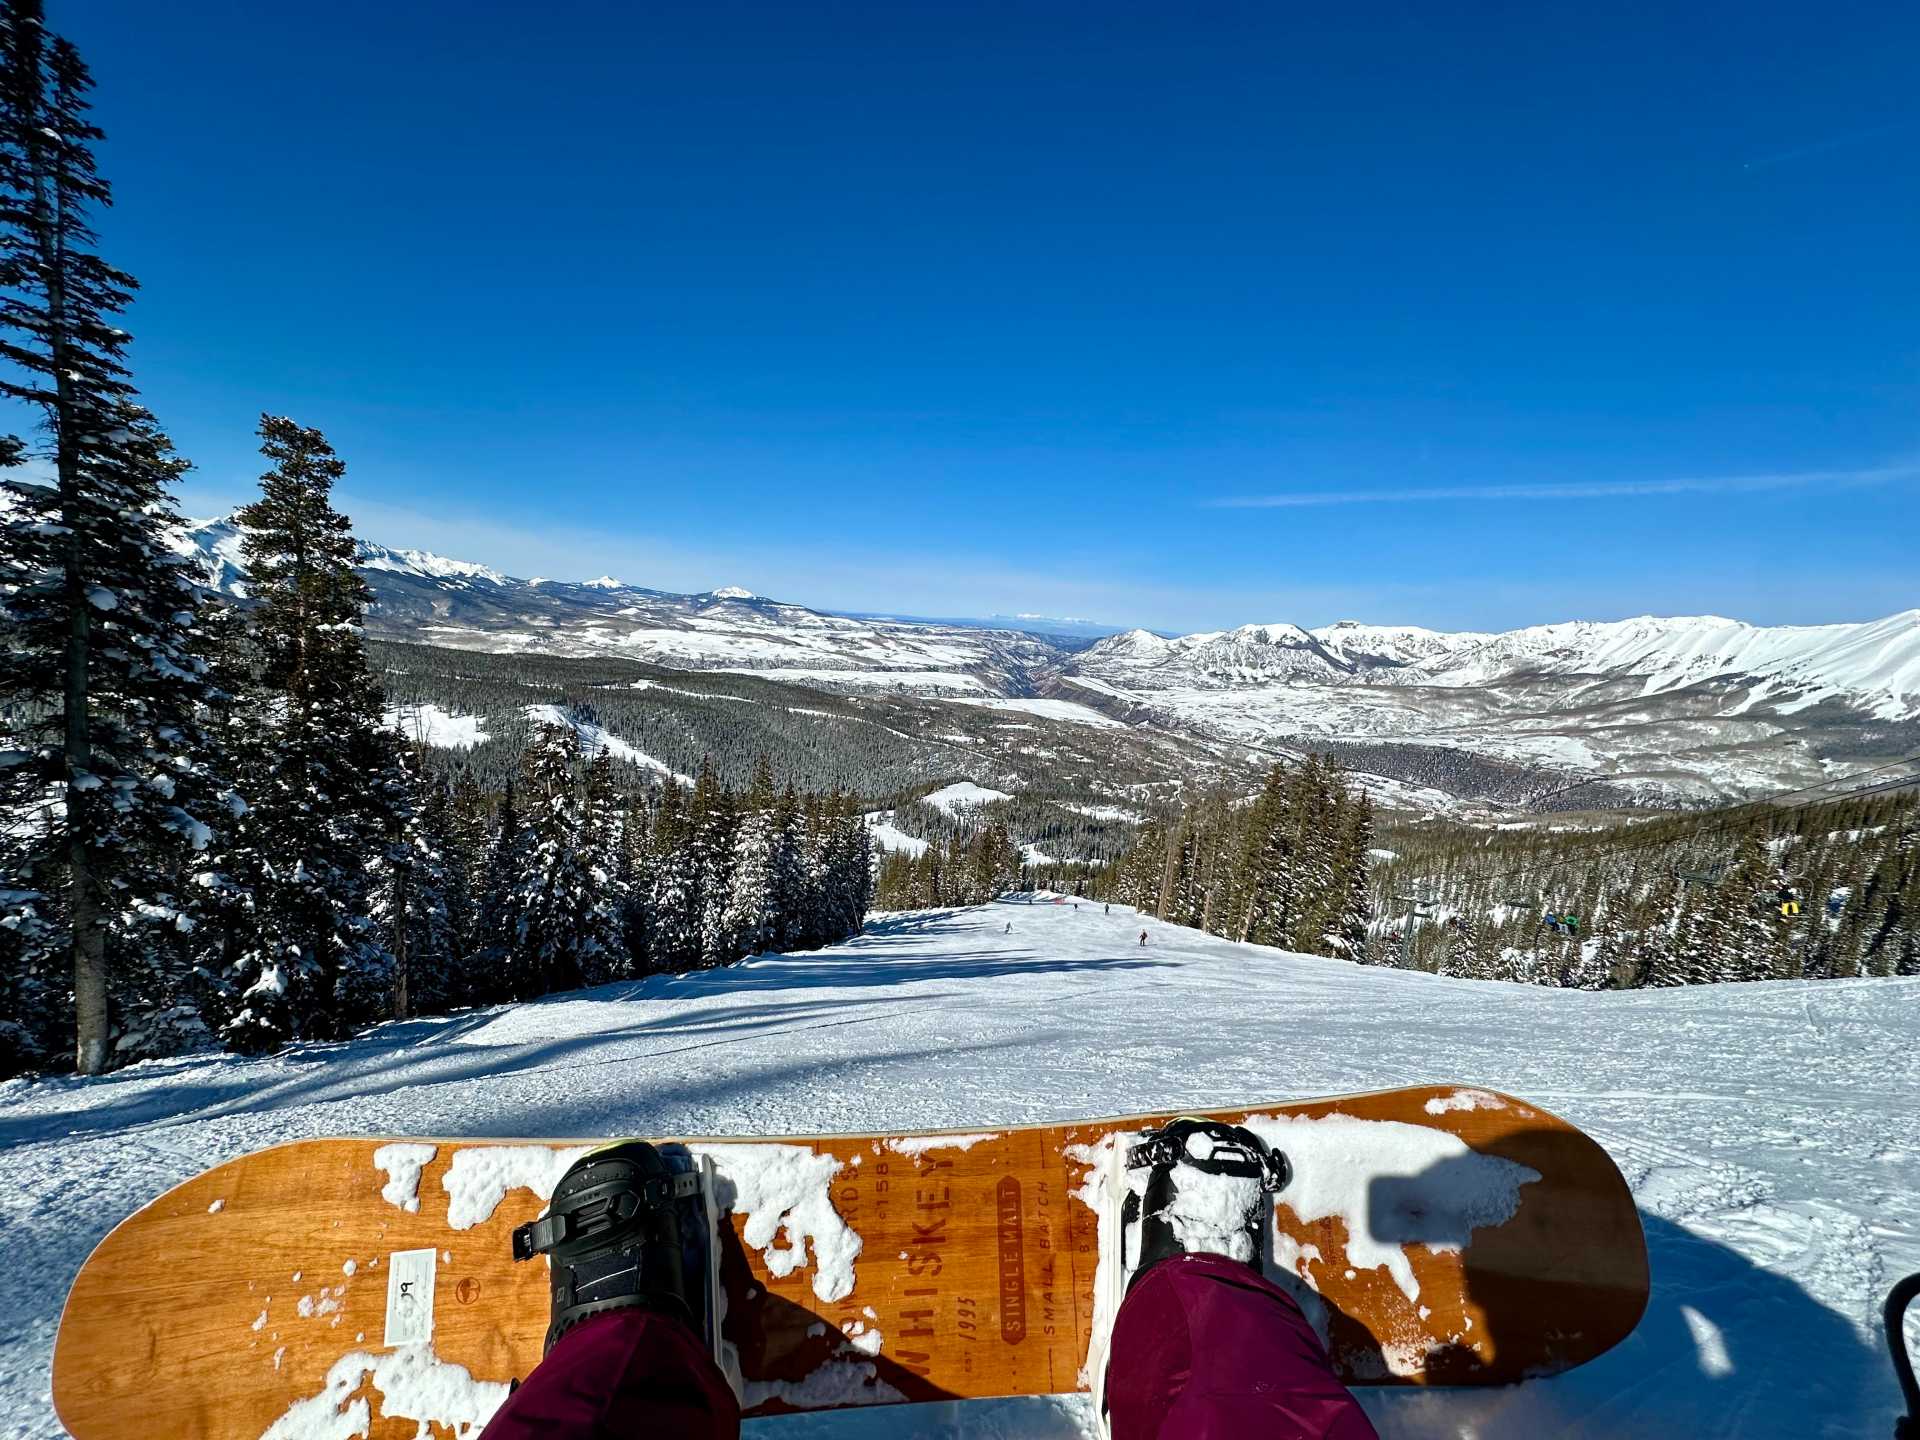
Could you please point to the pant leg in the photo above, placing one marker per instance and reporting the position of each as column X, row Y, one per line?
column 626, row 1375
column 1205, row 1349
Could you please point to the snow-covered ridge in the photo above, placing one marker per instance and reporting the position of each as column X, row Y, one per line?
column 1875, row 662
column 1697, row 705
column 424, row 563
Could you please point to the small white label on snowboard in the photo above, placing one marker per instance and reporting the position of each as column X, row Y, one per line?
column 410, row 1297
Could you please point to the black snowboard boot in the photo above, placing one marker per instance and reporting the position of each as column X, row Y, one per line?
column 627, row 1227
column 1223, row 1213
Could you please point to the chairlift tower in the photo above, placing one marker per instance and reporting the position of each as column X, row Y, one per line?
column 1418, row 908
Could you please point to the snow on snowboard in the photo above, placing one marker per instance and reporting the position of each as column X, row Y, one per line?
column 363, row 1287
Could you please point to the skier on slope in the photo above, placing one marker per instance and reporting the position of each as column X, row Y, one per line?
column 1143, row 937
column 1203, row 1344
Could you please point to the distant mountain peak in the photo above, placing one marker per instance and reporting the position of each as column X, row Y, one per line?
column 732, row 592
column 604, row 582
column 424, row 563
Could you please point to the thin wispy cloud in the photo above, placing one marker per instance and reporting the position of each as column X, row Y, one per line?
column 1580, row 490
column 1821, row 147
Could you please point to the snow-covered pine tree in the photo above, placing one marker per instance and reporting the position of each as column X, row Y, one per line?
column 562, row 936
column 930, row 880
column 489, row 966
column 1462, row 952
column 638, row 868
column 323, row 800
column 1267, row 879
column 1753, row 932
column 1180, row 897
column 414, row 905
column 1003, row 859
column 1593, row 962
column 715, row 816
column 807, row 925
column 1347, row 937
column 1316, row 822
column 468, row 822
column 851, row 870
column 749, row 923
column 1140, row 868
column 674, row 936
column 1901, row 936
column 789, row 871
column 35, row 963
column 103, row 688
column 1698, row 953
column 606, row 846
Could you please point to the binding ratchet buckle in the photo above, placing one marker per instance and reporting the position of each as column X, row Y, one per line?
column 537, row 1237
column 1222, row 1149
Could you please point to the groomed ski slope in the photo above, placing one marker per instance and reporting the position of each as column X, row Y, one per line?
column 1771, row 1132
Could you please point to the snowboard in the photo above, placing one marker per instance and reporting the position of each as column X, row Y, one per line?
column 1436, row 1236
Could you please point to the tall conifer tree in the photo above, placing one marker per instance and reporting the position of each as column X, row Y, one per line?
column 105, row 687
column 324, row 802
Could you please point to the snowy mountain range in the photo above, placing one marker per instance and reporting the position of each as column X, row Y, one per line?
column 429, row 599
column 1876, row 664
column 1696, row 705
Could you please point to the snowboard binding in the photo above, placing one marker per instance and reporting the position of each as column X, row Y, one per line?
column 1229, row 1174
column 629, row 1227
column 1903, row 1295
column 1205, row 1147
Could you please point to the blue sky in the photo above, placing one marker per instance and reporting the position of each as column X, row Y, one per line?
column 1183, row 316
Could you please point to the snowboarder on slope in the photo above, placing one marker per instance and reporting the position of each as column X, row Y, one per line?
column 1143, row 938
column 1203, row 1343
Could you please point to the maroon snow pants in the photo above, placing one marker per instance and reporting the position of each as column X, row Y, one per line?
column 627, row 1375
column 1203, row 1349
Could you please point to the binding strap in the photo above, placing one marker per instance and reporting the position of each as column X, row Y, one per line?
column 538, row 1237
column 1236, row 1151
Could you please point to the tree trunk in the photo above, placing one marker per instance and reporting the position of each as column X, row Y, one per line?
column 90, row 1017
column 89, row 948
column 402, row 872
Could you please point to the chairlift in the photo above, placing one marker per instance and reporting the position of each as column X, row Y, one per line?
column 1560, row 924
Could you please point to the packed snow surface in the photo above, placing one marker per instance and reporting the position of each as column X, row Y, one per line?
column 430, row 724
column 891, row 837
column 595, row 739
column 1768, row 1132
column 1052, row 709
column 952, row 798
column 928, row 681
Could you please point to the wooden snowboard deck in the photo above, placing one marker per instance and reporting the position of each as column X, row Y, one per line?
column 264, row 1284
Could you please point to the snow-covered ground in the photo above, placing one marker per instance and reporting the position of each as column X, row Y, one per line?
column 962, row 795
column 1052, row 709
column 1769, row 1131
column 430, row 724
column 890, row 837
column 594, row 739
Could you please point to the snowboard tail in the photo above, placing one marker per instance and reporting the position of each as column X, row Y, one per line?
column 1435, row 1235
